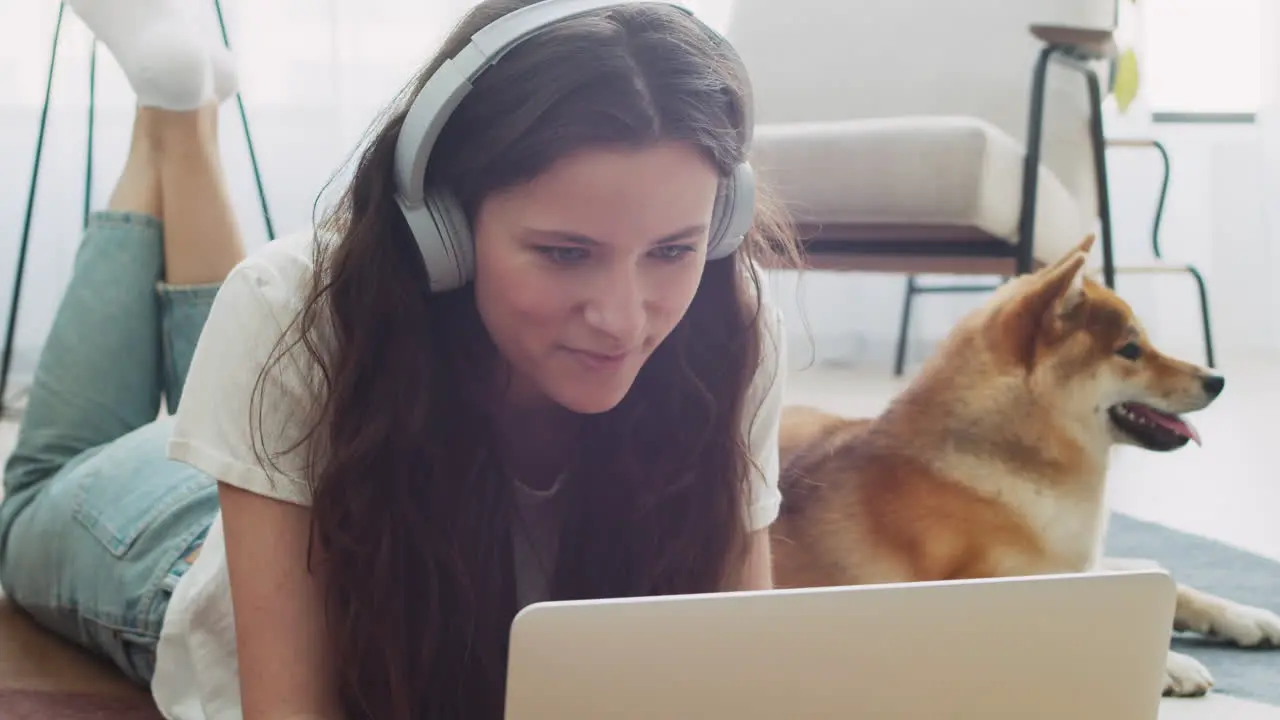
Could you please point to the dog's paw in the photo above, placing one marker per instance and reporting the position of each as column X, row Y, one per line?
column 1184, row 676
column 1247, row 626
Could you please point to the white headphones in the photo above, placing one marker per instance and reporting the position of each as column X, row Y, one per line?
column 437, row 220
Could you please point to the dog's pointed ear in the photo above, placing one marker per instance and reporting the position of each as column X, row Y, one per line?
column 1069, row 284
column 1050, row 296
column 1084, row 248
column 1059, row 286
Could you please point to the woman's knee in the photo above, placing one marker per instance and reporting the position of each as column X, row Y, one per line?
column 89, row 554
column 29, row 475
column 26, row 472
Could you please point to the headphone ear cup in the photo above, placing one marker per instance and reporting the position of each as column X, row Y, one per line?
column 451, row 263
column 733, row 214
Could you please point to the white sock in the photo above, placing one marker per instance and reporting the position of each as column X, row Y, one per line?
column 157, row 46
column 226, row 79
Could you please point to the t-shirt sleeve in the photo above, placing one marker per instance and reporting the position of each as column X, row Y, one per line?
column 762, row 417
column 227, row 425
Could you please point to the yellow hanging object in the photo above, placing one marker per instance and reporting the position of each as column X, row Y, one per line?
column 1126, row 85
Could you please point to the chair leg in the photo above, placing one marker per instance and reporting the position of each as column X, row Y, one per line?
column 1204, row 315
column 88, row 148
column 900, row 361
column 248, row 138
column 1031, row 161
column 1099, row 141
column 23, row 244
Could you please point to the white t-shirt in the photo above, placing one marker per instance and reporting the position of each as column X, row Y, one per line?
column 196, row 674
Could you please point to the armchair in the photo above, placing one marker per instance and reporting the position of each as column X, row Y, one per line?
column 932, row 136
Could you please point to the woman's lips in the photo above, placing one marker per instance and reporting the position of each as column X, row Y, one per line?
column 599, row 361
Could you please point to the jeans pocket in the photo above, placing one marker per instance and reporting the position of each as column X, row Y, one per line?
column 122, row 492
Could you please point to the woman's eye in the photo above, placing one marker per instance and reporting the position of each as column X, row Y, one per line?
column 672, row 252
column 562, row 255
column 1131, row 351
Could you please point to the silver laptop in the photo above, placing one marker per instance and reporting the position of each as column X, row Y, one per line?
column 1061, row 647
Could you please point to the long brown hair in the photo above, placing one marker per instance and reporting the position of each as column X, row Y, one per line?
column 411, row 502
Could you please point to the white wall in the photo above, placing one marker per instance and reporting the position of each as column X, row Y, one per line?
column 308, row 110
column 1270, row 154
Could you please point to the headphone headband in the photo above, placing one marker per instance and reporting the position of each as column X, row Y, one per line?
column 437, row 223
column 452, row 80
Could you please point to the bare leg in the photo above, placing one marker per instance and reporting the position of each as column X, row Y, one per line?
column 138, row 187
column 202, row 241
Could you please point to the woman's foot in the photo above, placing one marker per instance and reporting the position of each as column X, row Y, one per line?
column 170, row 63
column 156, row 45
column 226, row 80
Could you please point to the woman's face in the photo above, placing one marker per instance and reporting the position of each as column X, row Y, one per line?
column 582, row 272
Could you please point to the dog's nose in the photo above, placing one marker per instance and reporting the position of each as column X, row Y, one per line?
column 1213, row 385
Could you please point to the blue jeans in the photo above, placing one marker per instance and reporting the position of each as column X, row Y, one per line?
column 96, row 521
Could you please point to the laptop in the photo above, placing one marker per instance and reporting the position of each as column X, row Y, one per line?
column 1056, row 647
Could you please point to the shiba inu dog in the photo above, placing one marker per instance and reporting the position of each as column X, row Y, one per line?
column 993, row 461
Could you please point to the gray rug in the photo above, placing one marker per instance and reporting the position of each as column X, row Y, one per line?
column 1221, row 570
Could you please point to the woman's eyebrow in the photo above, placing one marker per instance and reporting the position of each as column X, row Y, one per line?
column 577, row 238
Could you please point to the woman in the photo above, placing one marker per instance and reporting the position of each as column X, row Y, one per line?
column 376, row 472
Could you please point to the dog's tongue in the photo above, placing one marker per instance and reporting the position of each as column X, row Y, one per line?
column 1167, row 421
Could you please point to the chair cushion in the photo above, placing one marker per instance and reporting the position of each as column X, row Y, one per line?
column 938, row 172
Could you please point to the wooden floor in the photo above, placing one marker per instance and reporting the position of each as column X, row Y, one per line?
column 1228, row 490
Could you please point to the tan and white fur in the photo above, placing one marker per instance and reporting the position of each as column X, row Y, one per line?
column 993, row 461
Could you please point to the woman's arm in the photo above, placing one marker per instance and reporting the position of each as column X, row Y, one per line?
column 761, row 429
column 286, row 668
column 758, row 573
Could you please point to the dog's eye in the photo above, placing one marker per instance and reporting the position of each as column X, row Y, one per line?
column 1131, row 351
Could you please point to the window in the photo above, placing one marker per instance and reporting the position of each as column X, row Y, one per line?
column 1202, row 60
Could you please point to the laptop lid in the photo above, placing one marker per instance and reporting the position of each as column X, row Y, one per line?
column 1048, row 647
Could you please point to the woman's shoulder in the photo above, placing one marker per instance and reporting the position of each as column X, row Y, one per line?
column 281, row 270
column 262, row 299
